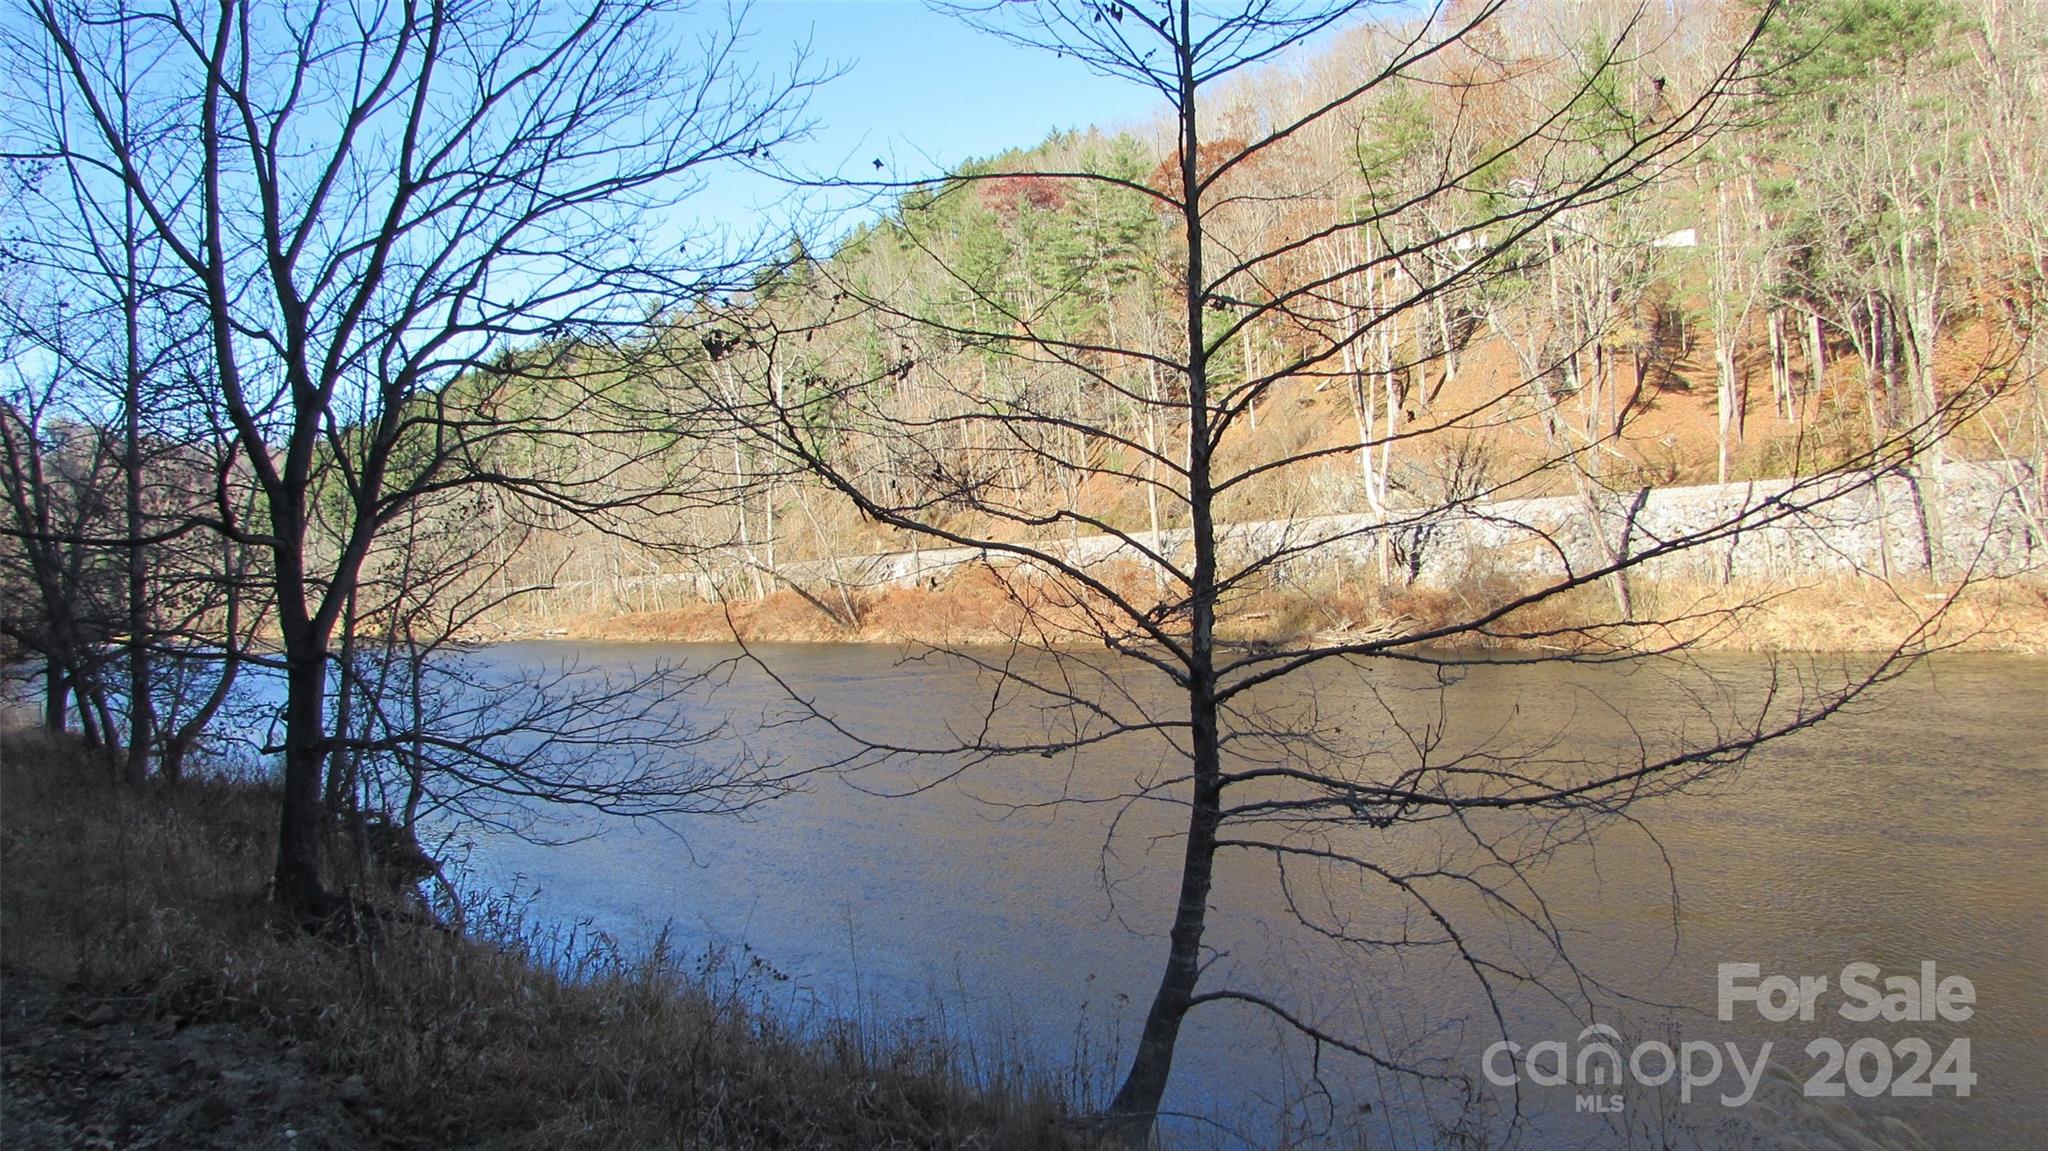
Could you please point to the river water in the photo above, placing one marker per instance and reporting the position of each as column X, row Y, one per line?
column 1025, row 900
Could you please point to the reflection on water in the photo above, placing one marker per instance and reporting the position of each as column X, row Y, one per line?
column 1912, row 829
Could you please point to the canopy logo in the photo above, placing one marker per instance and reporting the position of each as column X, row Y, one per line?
column 1597, row 1061
column 1868, row 1066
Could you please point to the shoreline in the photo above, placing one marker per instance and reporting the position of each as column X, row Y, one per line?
column 154, row 996
column 1844, row 616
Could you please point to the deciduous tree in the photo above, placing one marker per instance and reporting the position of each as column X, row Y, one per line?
column 364, row 207
column 1493, row 201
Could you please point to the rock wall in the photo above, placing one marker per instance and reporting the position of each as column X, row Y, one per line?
column 1968, row 518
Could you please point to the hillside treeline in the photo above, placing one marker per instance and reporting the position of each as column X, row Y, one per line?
column 1849, row 253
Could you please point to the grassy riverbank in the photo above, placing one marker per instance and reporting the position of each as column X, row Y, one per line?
column 1839, row 615
column 151, row 998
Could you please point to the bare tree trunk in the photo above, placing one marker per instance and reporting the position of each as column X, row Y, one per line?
column 88, row 724
column 831, row 553
column 56, row 697
column 1442, row 308
column 768, row 533
column 1724, row 401
column 1887, row 343
column 1152, row 467
column 1863, row 333
column 1781, row 366
column 1135, row 1108
column 178, row 743
column 1250, row 353
column 141, row 706
column 1150, row 427
column 297, row 879
column 1926, row 441
column 344, row 707
column 739, row 507
column 1816, row 354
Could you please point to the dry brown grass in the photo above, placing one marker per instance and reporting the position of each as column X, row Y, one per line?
column 1820, row 615
column 510, row 1037
column 1840, row 615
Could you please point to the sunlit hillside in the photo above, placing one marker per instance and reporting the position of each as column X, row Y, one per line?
column 1842, row 257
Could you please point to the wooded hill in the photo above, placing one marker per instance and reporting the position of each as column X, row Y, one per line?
column 1851, row 251
column 1841, row 242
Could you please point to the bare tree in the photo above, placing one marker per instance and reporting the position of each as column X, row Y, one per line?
column 367, row 207
column 59, row 475
column 942, row 436
column 1907, row 134
column 104, row 479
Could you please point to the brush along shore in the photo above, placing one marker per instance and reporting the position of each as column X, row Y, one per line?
column 978, row 606
column 150, row 997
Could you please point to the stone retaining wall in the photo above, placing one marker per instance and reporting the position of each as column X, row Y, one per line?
column 1972, row 518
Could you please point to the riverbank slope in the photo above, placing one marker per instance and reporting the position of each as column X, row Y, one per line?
column 979, row 607
column 151, row 998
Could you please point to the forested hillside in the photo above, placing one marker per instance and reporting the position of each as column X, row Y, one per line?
column 1851, row 252
column 1837, row 244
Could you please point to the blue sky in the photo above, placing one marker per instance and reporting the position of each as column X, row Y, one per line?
column 922, row 92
